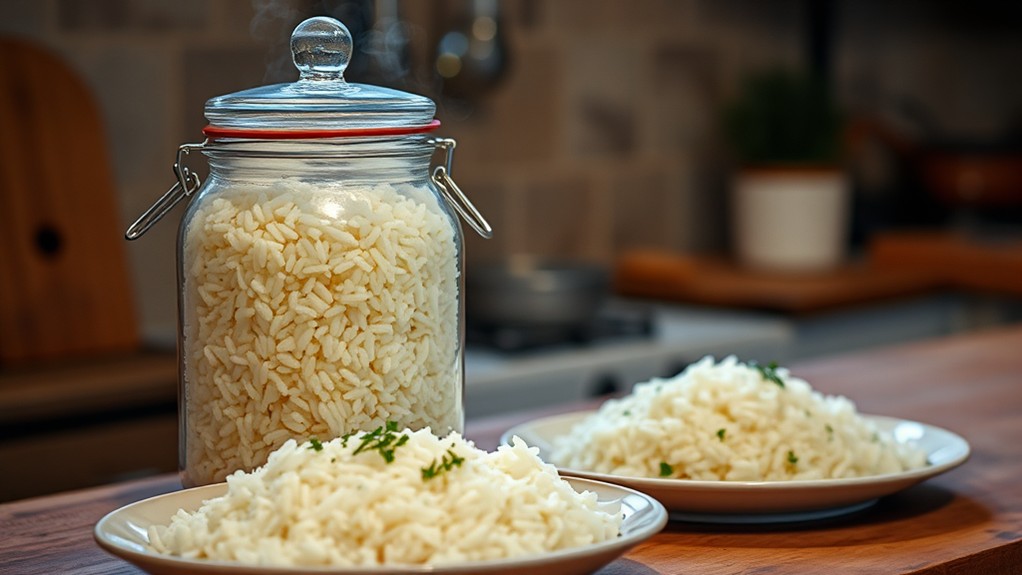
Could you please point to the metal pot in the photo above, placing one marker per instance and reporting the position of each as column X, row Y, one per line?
column 528, row 292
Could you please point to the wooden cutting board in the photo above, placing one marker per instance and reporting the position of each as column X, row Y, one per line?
column 64, row 284
column 992, row 266
column 713, row 281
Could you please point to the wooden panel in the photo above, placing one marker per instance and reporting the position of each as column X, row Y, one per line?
column 64, row 285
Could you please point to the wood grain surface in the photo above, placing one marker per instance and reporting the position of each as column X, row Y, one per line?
column 968, row 521
column 64, row 284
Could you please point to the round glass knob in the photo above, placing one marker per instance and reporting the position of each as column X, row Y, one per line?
column 321, row 48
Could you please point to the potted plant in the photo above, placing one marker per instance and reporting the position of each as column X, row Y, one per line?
column 790, row 197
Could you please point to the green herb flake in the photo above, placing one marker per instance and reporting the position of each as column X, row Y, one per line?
column 626, row 413
column 384, row 440
column 792, row 459
column 446, row 463
column 768, row 372
column 665, row 469
column 830, row 431
column 721, row 433
column 314, row 444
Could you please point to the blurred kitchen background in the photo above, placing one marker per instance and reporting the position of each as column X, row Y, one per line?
column 593, row 134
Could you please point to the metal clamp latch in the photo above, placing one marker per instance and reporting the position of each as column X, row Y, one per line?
column 453, row 194
column 187, row 183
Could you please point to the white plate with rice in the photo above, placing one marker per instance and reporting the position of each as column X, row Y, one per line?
column 767, row 501
column 740, row 442
column 398, row 502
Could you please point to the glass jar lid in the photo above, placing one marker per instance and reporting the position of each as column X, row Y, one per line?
column 321, row 103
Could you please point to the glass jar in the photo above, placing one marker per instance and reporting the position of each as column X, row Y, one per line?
column 319, row 266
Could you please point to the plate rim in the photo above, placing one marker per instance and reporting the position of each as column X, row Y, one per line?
column 617, row 546
column 916, row 475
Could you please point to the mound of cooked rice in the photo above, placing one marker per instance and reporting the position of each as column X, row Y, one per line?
column 736, row 422
column 348, row 503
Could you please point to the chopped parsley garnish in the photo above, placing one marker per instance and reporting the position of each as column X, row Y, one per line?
column 830, row 431
column 768, row 372
column 626, row 413
column 382, row 439
column 721, row 433
column 314, row 444
column 792, row 460
column 446, row 463
column 665, row 469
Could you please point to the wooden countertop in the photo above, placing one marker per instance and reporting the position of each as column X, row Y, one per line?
column 967, row 521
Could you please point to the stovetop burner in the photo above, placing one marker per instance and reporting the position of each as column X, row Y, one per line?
column 609, row 324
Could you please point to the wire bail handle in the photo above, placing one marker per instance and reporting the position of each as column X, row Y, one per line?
column 187, row 183
column 453, row 194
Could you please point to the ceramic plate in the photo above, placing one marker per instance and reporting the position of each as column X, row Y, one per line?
column 124, row 533
column 767, row 501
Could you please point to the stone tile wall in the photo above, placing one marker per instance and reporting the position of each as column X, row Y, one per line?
column 601, row 136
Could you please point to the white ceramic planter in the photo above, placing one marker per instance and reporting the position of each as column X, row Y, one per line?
column 790, row 219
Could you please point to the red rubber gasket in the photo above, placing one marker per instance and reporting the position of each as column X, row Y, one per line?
column 255, row 134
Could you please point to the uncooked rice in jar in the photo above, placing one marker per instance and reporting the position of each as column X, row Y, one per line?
column 730, row 421
column 334, row 507
column 312, row 310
